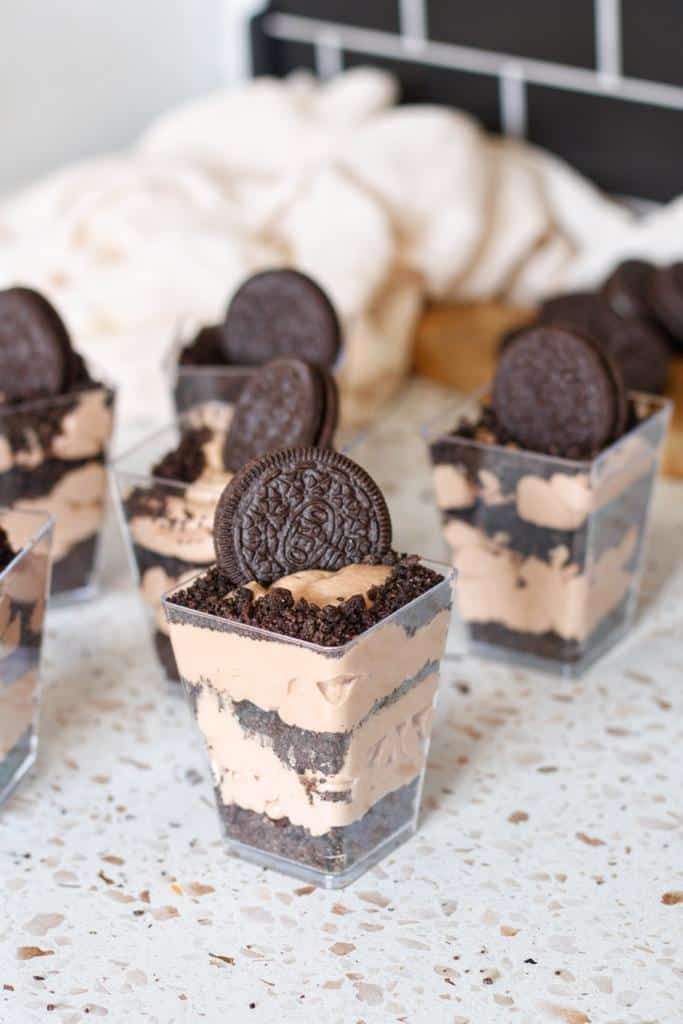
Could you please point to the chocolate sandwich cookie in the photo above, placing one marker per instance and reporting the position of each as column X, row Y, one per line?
column 281, row 406
column 557, row 392
column 625, row 290
column 637, row 346
column 280, row 313
column 287, row 403
column 35, row 351
column 665, row 295
column 296, row 509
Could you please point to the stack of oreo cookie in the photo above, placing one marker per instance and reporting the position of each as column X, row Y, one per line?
column 636, row 317
column 287, row 402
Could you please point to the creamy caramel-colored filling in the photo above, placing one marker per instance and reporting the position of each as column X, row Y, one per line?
column 562, row 502
column 10, row 628
column 385, row 753
column 153, row 584
column 77, row 501
column 322, row 587
column 85, row 431
column 308, row 688
column 184, row 529
column 17, row 710
column 495, row 584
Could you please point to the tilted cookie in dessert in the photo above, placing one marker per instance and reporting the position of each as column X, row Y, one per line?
column 24, row 579
column 544, row 497
column 55, row 427
column 311, row 652
column 273, row 314
column 169, row 485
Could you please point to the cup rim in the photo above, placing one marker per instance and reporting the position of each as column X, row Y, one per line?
column 100, row 384
column 448, row 572
column 118, row 469
column 188, row 326
column 47, row 526
column 662, row 406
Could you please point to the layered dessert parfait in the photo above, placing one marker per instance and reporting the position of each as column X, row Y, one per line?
column 24, row 582
column 168, row 487
column 272, row 314
column 55, row 427
column 170, row 484
column 311, row 655
column 544, row 496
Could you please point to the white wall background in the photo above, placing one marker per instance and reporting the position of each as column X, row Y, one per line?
column 79, row 77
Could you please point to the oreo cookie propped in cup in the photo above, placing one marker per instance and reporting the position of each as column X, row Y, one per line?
column 280, row 313
column 286, row 403
column 35, row 350
column 559, row 393
column 297, row 509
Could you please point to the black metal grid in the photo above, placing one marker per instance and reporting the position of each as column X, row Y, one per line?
column 600, row 82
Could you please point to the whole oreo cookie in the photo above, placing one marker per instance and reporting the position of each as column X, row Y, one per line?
column 295, row 509
column 281, row 406
column 637, row 346
column 556, row 392
column 280, row 313
column 35, row 351
column 625, row 290
column 665, row 296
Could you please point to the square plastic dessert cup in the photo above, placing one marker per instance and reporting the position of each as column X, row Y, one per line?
column 167, row 549
column 549, row 551
column 317, row 753
column 65, row 475
column 173, row 540
column 193, row 386
column 24, row 588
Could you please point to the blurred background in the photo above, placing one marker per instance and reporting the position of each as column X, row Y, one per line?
column 600, row 82
column 547, row 147
column 78, row 78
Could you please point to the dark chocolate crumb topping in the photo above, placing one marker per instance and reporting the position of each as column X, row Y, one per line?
column 329, row 626
column 488, row 429
column 186, row 462
column 7, row 553
column 204, row 349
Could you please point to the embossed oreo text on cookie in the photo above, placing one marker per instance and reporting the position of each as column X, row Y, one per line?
column 301, row 508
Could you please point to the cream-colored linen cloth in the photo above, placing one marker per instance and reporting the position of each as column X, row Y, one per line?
column 386, row 206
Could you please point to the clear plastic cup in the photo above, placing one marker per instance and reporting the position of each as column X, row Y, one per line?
column 317, row 753
column 24, row 588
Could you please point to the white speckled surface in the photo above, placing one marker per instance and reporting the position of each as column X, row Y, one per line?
column 546, row 883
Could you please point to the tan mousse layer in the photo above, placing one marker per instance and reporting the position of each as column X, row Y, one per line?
column 562, row 502
column 529, row 595
column 84, row 433
column 17, row 709
column 384, row 754
column 77, row 501
column 306, row 686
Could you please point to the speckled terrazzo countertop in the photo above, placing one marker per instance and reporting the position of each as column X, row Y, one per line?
column 546, row 883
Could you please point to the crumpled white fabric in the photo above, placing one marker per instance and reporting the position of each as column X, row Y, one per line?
column 385, row 206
